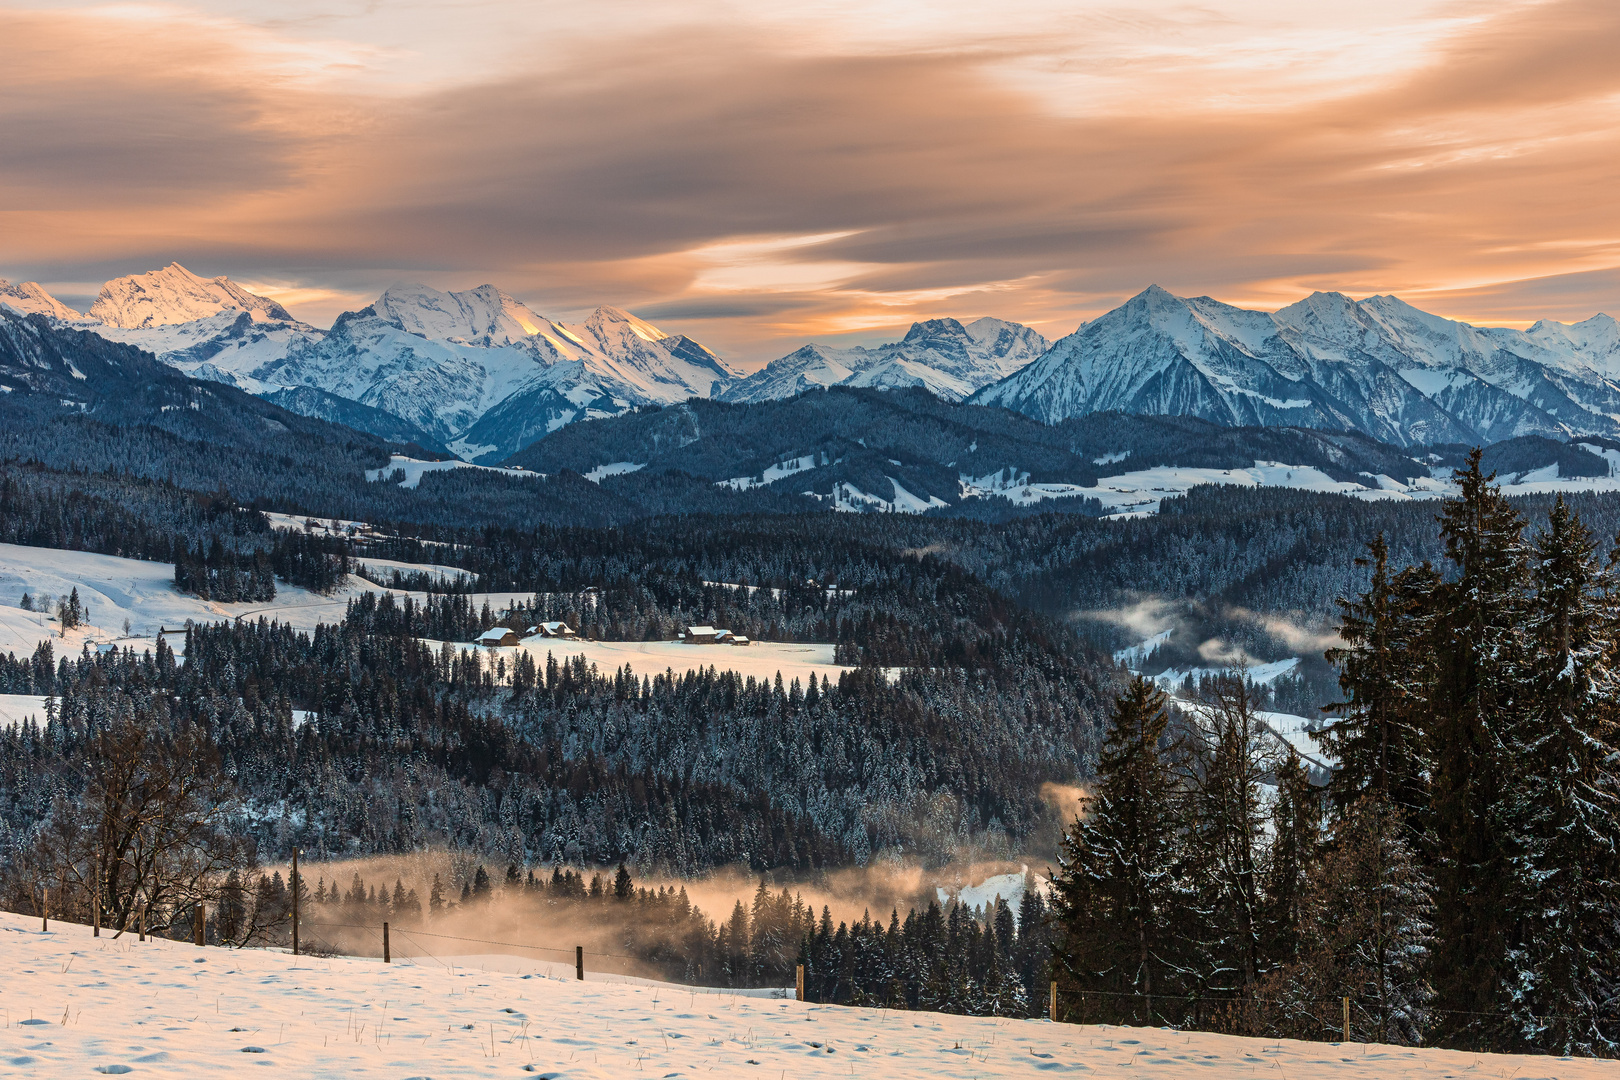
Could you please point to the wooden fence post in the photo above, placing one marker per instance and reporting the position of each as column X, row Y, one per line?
column 798, row 982
column 1052, row 1005
column 295, row 901
column 95, row 904
column 1347, row 1019
column 387, row 959
column 199, row 924
column 579, row 962
column 143, row 920
column 44, row 908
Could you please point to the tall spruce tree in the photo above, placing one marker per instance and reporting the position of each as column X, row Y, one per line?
column 1376, row 739
column 1479, row 682
column 1566, row 807
column 1115, row 891
column 1230, row 757
column 1365, row 933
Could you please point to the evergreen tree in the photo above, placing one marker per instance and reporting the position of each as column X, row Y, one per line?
column 1296, row 834
column 1566, row 807
column 1376, row 739
column 1365, row 933
column 1479, row 682
column 623, row 887
column 1115, row 890
column 1229, row 758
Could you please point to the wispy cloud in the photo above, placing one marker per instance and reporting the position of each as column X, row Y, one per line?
column 754, row 184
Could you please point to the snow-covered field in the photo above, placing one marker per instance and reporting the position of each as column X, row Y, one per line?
column 115, row 590
column 15, row 708
column 74, row 1005
column 414, row 469
column 143, row 593
column 762, row 659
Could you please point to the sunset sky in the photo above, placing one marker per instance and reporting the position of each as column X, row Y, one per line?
column 760, row 174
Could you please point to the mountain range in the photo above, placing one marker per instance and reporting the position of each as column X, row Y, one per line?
column 943, row 356
column 479, row 374
column 1379, row 366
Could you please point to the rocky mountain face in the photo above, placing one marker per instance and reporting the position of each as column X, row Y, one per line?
column 943, row 356
column 1378, row 366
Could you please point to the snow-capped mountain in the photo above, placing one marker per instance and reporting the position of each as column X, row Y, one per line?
column 481, row 373
column 176, row 295
column 1379, row 366
column 29, row 298
column 418, row 363
column 945, row 357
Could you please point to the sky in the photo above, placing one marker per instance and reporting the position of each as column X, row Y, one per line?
column 761, row 174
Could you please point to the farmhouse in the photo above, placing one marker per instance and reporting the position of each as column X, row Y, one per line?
column 498, row 635
column 553, row 629
column 706, row 635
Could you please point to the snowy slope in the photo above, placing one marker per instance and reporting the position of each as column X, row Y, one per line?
column 30, row 298
column 1379, row 366
column 78, row 1006
column 945, row 357
column 176, row 295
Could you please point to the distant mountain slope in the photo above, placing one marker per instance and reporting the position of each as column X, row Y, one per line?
column 942, row 356
column 1379, row 366
column 907, row 450
column 47, row 370
column 176, row 295
column 30, row 298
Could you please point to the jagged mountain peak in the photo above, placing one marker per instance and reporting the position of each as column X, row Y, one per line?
column 30, row 298
column 608, row 320
column 175, row 295
column 941, row 355
column 484, row 315
column 934, row 329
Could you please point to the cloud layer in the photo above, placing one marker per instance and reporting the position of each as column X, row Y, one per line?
column 748, row 184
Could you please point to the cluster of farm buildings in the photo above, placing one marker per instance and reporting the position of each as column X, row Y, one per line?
column 692, row 635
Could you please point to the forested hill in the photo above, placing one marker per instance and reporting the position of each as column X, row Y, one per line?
column 874, row 439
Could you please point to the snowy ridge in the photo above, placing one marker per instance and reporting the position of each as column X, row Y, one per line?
column 945, row 357
column 1379, row 366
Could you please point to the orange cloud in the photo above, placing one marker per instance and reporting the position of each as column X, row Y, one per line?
column 745, row 193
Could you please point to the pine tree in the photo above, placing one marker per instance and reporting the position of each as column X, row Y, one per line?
column 1376, row 739
column 1566, row 809
column 1365, row 933
column 1229, row 757
column 1114, row 890
column 1479, row 682
column 1296, row 817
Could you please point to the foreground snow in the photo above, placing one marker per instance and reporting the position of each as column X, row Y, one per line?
column 74, row 1005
